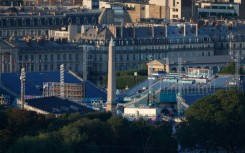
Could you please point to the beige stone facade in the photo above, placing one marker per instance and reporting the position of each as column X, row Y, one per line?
column 132, row 13
column 156, row 66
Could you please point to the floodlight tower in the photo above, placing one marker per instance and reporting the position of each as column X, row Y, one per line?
column 179, row 106
column 151, row 95
column 85, row 63
column 179, row 76
column 22, row 91
column 62, row 82
column 237, row 71
column 0, row 68
column 230, row 45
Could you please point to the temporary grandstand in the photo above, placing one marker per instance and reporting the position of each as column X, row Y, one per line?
column 54, row 105
column 176, row 95
column 35, row 80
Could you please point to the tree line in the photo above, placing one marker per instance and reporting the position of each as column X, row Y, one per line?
column 214, row 123
column 27, row 132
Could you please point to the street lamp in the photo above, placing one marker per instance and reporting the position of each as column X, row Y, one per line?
column 135, row 74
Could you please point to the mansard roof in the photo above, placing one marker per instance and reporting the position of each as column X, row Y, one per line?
column 44, row 45
column 96, row 33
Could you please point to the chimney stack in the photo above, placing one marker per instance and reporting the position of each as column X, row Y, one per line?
column 152, row 31
column 196, row 30
column 166, row 31
column 184, row 30
column 121, row 30
column 113, row 30
column 134, row 33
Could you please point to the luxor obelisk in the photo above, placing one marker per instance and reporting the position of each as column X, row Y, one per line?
column 111, row 87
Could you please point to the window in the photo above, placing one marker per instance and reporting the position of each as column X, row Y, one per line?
column 64, row 56
column 51, row 57
column 20, row 58
column 76, row 56
column 51, row 67
column 45, row 67
column 85, row 20
column 175, row 16
column 32, row 68
column 26, row 57
column 70, row 56
column 214, row 7
column 101, row 57
column 230, row 7
column 175, row 10
column 222, row 7
column 76, row 67
column 46, row 57
column 58, row 56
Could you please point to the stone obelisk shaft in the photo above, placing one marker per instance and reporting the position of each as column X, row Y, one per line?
column 111, row 87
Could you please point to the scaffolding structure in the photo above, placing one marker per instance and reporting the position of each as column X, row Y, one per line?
column 72, row 91
column 62, row 81
column 22, row 91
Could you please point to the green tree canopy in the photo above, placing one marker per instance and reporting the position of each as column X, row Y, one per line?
column 215, row 121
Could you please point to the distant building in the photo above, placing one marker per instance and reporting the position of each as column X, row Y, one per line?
column 29, row 3
column 39, row 55
column 172, row 8
column 131, row 12
column 135, row 44
column 32, row 23
column 210, row 9
column 91, row 4
column 220, row 8
column 11, row 3
column 191, row 65
column 64, row 34
column 145, row 113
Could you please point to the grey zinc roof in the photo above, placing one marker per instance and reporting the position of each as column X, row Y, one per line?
column 175, row 31
column 5, row 44
column 94, row 34
column 45, row 44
